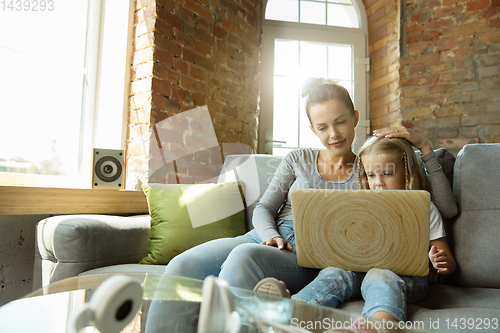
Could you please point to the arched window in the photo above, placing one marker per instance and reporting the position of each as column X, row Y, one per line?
column 302, row 39
column 340, row 13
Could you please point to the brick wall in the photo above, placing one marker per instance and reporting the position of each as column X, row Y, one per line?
column 449, row 69
column 187, row 54
column 383, row 39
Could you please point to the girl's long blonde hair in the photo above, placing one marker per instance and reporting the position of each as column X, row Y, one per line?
column 400, row 150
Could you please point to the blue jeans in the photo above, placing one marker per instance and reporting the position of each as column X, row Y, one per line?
column 242, row 261
column 381, row 289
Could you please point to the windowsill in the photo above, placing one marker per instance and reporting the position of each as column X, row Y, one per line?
column 17, row 200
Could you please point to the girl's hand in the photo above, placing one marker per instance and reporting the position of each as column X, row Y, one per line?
column 279, row 242
column 402, row 132
column 440, row 260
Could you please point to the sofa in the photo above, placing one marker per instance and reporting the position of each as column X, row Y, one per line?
column 469, row 301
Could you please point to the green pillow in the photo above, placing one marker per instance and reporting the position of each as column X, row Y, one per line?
column 183, row 216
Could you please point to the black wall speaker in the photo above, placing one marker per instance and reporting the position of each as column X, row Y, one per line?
column 107, row 169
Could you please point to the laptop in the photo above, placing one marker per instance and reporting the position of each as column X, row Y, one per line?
column 357, row 230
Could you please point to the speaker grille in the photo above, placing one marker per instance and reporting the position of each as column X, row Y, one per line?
column 107, row 168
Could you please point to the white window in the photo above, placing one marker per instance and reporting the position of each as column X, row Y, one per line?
column 341, row 13
column 321, row 39
column 65, row 70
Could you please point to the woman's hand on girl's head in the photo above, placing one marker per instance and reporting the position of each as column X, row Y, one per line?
column 402, row 132
column 278, row 242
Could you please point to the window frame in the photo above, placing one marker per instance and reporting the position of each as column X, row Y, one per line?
column 95, row 92
column 273, row 29
column 354, row 4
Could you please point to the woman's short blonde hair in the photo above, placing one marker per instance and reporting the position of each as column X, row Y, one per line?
column 400, row 150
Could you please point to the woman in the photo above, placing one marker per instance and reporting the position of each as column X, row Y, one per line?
column 243, row 261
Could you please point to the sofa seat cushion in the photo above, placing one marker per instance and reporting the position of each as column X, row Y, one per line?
column 446, row 297
column 127, row 268
column 450, row 309
column 449, row 297
column 464, row 318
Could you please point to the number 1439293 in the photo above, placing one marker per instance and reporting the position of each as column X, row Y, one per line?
column 472, row 323
column 27, row 5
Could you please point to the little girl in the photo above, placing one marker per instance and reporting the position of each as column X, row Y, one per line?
column 383, row 164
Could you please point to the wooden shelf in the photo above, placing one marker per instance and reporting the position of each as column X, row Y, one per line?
column 19, row 200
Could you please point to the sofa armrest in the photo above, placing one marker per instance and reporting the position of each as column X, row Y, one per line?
column 68, row 245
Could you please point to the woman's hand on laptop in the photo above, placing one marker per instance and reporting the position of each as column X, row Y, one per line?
column 278, row 242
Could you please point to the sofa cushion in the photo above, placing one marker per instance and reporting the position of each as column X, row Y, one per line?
column 477, row 228
column 126, row 268
column 189, row 215
column 67, row 245
column 444, row 297
column 254, row 170
column 446, row 307
column 455, row 320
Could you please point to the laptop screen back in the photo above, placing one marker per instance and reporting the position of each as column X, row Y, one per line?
column 357, row 230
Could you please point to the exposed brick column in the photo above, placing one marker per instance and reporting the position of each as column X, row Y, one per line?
column 383, row 39
column 190, row 53
column 140, row 108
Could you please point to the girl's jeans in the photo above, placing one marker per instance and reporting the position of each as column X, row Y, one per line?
column 381, row 289
column 243, row 261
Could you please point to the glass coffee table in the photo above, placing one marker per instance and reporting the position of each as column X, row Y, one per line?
column 172, row 304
